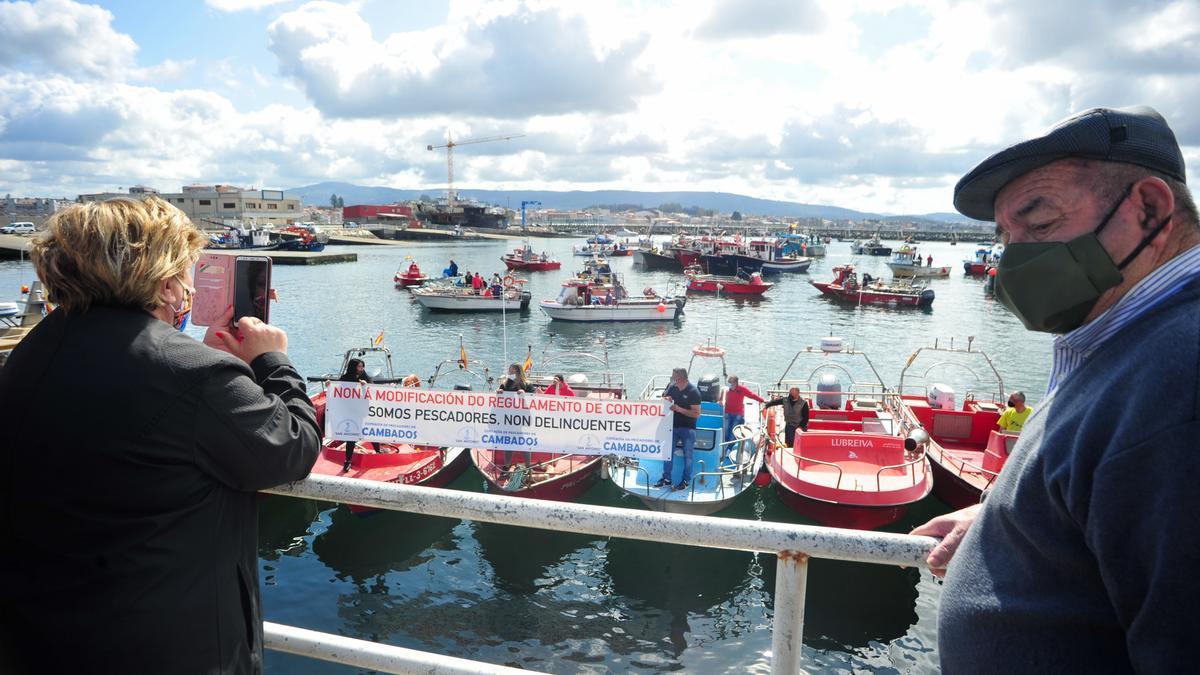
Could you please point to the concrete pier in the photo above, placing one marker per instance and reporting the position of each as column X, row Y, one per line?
column 13, row 246
column 292, row 257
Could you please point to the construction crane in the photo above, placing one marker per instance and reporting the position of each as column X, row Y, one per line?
column 449, row 145
column 523, row 205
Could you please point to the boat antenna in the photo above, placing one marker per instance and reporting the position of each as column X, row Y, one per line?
column 504, row 321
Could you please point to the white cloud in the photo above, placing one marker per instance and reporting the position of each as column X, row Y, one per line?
column 733, row 19
column 63, row 36
column 240, row 5
column 515, row 64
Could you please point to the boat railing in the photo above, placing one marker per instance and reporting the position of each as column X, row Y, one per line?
column 963, row 465
column 802, row 458
column 793, row 545
column 911, row 465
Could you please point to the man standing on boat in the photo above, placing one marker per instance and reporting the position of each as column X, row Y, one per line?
column 685, row 404
column 1083, row 556
column 735, row 405
column 795, row 414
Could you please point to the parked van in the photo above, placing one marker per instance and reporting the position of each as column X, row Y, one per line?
column 18, row 228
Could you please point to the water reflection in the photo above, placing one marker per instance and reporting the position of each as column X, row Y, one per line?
column 364, row 546
column 282, row 524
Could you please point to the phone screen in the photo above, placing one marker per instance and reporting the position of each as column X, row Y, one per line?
column 252, row 288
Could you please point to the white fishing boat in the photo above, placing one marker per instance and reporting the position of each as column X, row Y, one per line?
column 906, row 262
column 455, row 299
column 627, row 309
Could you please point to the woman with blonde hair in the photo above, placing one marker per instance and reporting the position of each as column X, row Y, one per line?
column 133, row 454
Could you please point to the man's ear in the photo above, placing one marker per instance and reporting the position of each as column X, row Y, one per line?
column 1154, row 200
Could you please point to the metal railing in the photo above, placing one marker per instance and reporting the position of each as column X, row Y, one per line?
column 793, row 545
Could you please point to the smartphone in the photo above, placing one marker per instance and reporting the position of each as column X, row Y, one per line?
column 252, row 288
column 222, row 280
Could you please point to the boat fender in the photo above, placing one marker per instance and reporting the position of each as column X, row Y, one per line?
column 509, row 281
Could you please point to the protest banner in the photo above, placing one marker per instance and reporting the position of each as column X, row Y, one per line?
column 506, row 421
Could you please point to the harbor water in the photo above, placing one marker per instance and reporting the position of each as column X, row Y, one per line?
column 571, row 603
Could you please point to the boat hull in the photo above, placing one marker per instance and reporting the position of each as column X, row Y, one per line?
column 531, row 265
column 913, row 272
column 626, row 311
column 727, row 287
column 840, row 515
column 799, row 266
column 472, row 303
column 860, row 297
column 651, row 261
column 405, row 281
column 951, row 488
column 565, row 487
column 389, row 468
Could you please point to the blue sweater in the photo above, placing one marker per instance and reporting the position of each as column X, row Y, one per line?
column 1086, row 553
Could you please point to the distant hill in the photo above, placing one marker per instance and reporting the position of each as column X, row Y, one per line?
column 722, row 202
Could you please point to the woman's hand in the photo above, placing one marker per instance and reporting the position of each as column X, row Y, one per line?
column 254, row 339
column 223, row 325
column 951, row 527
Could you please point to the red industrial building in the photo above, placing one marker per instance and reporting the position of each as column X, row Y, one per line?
column 376, row 212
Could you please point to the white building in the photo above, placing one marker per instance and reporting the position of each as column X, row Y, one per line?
column 210, row 206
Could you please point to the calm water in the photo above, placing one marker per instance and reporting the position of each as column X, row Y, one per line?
column 570, row 603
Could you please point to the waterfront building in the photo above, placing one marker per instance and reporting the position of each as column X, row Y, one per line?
column 212, row 206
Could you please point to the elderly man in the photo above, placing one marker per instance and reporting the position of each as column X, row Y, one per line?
column 1082, row 557
column 1012, row 420
column 684, row 398
column 795, row 414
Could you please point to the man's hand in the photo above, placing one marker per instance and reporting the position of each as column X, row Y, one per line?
column 951, row 527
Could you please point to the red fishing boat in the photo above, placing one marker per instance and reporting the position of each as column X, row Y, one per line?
column 966, row 447
column 846, row 286
column 550, row 475
column 410, row 276
column 524, row 258
column 851, row 468
column 426, row 465
column 985, row 259
column 723, row 285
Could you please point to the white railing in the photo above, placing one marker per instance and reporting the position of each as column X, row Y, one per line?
column 793, row 545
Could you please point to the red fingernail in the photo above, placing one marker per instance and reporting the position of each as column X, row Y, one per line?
column 241, row 339
column 220, row 334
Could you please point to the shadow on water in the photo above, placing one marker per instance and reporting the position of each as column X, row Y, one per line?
column 363, row 546
column 283, row 523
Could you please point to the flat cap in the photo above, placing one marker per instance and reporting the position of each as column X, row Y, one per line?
column 1135, row 135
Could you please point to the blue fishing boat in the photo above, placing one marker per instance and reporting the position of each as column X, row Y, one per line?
column 721, row 471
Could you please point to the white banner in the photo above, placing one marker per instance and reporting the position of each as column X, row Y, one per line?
column 508, row 421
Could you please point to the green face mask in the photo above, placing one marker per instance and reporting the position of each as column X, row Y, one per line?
column 1052, row 286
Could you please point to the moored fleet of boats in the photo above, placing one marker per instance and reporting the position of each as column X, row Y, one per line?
column 857, row 453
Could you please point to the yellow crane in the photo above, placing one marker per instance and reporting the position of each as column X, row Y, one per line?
column 449, row 145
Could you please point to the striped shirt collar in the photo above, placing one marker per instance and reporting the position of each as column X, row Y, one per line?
column 1072, row 349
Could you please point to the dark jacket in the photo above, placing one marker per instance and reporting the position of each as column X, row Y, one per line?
column 1083, row 558
column 795, row 413
column 128, row 511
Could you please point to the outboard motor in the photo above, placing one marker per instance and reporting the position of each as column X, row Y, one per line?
column 462, row 386
column 710, row 388
column 926, row 298
column 941, row 397
column 829, row 392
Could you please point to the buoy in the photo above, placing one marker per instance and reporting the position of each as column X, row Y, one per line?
column 509, row 281
column 763, row 478
column 661, row 308
column 991, row 271
column 24, row 288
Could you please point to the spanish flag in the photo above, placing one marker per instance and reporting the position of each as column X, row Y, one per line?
column 462, row 356
column 378, row 339
column 528, row 361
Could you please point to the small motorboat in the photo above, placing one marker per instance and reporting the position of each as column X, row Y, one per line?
column 721, row 285
column 803, row 245
column 872, row 246
column 721, row 472
column 985, row 259
column 410, row 277
column 852, row 468
column 426, row 465
column 523, row 258
column 579, row 301
column 846, row 287
column 553, row 475
column 453, row 298
column 907, row 263
column 966, row 448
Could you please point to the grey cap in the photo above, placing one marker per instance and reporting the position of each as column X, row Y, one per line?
column 1136, row 135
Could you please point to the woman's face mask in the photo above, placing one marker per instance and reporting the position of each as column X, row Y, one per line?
column 1052, row 286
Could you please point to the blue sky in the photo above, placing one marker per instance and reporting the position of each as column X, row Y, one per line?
column 872, row 104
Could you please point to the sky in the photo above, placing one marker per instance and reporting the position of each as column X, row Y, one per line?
column 876, row 105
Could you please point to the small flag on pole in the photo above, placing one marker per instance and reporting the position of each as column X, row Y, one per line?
column 528, row 360
column 378, row 339
column 462, row 356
